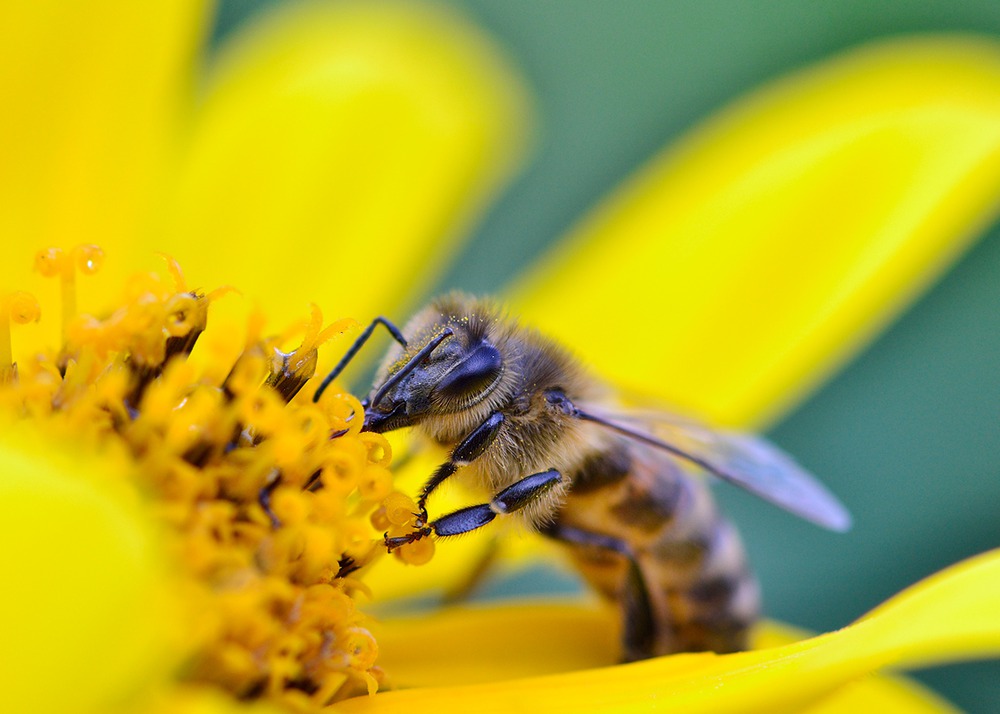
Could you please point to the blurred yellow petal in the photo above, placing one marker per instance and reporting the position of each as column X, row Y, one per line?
column 948, row 617
column 91, row 92
column 885, row 695
column 82, row 608
column 746, row 263
column 332, row 132
column 511, row 641
column 526, row 640
column 206, row 700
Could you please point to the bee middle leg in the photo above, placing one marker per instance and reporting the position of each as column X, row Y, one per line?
column 639, row 622
column 513, row 498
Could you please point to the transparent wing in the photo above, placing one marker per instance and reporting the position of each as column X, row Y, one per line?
column 751, row 462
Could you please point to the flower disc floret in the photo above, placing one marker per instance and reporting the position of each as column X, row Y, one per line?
column 268, row 499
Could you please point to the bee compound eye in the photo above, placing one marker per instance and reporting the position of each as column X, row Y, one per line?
column 475, row 373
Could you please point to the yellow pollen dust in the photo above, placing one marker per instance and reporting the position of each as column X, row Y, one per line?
column 274, row 506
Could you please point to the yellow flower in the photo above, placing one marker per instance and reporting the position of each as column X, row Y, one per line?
column 328, row 150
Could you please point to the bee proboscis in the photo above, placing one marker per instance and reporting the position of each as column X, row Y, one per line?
column 523, row 418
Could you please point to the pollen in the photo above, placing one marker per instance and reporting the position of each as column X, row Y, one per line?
column 274, row 506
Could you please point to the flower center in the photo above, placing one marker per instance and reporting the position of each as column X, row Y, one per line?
column 274, row 505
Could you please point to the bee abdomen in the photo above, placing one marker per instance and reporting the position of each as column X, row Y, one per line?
column 701, row 594
column 702, row 590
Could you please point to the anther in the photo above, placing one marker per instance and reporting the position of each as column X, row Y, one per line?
column 289, row 371
column 19, row 308
column 52, row 262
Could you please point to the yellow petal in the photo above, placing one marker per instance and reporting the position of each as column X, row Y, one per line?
column 194, row 699
column 948, row 617
column 747, row 262
column 340, row 151
column 431, row 650
column 83, row 609
column 91, row 94
column 511, row 641
column 885, row 695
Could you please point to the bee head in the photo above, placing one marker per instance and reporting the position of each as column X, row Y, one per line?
column 451, row 371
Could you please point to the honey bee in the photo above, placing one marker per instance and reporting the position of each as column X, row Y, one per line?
column 524, row 420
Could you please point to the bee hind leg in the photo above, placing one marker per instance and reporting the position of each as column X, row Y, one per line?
column 513, row 498
column 639, row 623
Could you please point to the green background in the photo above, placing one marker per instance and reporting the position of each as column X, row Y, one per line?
column 908, row 435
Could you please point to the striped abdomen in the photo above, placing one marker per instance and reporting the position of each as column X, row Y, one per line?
column 699, row 593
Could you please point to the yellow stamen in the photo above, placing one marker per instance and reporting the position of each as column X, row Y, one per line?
column 174, row 268
column 20, row 308
column 290, row 370
column 269, row 499
column 53, row 262
column 417, row 553
column 399, row 509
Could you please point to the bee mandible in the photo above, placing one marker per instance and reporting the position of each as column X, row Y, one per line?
column 523, row 419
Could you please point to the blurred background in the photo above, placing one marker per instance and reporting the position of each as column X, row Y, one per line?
column 908, row 434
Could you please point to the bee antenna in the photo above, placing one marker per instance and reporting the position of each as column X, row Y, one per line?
column 358, row 344
column 410, row 365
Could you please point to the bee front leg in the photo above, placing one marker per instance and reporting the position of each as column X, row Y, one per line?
column 513, row 498
column 639, row 631
column 467, row 451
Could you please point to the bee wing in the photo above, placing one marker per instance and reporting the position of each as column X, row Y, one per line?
column 751, row 462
